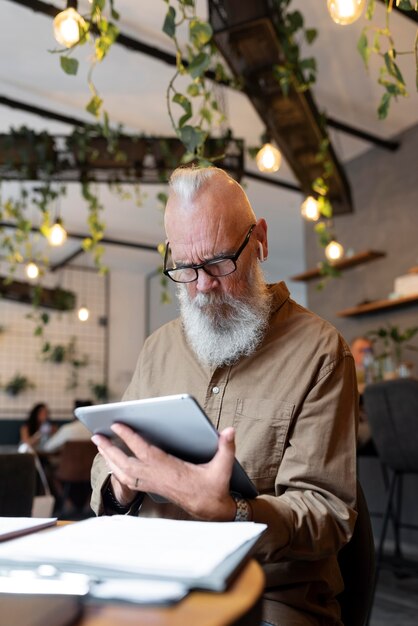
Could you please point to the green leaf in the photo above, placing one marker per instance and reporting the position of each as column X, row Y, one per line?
column 200, row 33
column 184, row 102
column 199, row 65
column 311, row 34
column 169, row 26
column 392, row 68
column 94, row 105
column 295, row 20
column 363, row 48
column 70, row 66
column 370, row 9
column 192, row 138
column 308, row 64
column 383, row 108
column 376, row 42
column 324, row 206
column 184, row 118
column 193, row 90
column 206, row 114
column 404, row 5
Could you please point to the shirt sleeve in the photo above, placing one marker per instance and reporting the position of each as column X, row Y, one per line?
column 312, row 513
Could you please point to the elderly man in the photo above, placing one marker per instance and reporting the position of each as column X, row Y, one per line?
column 276, row 380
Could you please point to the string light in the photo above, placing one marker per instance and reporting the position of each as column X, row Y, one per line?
column 345, row 12
column 268, row 159
column 32, row 270
column 68, row 26
column 309, row 209
column 83, row 314
column 57, row 234
column 334, row 251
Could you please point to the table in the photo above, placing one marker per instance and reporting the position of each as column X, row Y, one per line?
column 239, row 605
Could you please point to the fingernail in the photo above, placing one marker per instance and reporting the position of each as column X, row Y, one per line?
column 96, row 440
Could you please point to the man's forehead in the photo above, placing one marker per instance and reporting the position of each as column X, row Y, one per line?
column 199, row 244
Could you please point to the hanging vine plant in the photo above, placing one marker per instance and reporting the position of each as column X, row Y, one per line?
column 98, row 28
column 200, row 111
column 380, row 41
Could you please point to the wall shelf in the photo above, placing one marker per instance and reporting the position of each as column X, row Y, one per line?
column 343, row 264
column 378, row 305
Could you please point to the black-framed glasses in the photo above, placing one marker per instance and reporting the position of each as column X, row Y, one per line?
column 217, row 267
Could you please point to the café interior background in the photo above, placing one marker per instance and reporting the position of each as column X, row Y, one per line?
column 126, row 306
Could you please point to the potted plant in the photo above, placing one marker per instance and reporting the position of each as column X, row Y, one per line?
column 394, row 341
column 100, row 391
column 18, row 384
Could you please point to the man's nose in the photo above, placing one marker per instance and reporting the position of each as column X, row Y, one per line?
column 205, row 283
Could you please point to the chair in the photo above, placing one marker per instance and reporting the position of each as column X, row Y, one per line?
column 392, row 409
column 17, row 484
column 73, row 472
column 357, row 564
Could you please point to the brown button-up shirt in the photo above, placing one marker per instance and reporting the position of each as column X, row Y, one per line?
column 293, row 405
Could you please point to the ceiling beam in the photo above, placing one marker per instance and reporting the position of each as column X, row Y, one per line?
column 106, row 240
column 387, row 144
column 67, row 259
column 247, row 38
column 412, row 15
column 137, row 45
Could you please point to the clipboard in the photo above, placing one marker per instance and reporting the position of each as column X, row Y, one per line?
column 177, row 424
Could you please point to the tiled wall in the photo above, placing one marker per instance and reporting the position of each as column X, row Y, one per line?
column 20, row 349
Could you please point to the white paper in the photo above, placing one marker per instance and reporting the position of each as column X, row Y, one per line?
column 143, row 546
column 13, row 526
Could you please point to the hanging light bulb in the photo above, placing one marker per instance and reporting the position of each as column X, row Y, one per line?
column 32, row 270
column 268, row 159
column 345, row 11
column 68, row 26
column 83, row 314
column 334, row 251
column 309, row 209
column 57, row 234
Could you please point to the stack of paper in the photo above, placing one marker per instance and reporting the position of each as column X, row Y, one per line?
column 197, row 554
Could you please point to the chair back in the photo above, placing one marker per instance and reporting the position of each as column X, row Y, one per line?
column 17, row 484
column 76, row 459
column 357, row 563
column 392, row 410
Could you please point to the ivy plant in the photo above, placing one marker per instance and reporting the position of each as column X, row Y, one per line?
column 98, row 29
column 380, row 41
column 294, row 71
column 198, row 111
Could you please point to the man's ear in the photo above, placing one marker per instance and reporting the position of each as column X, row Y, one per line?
column 260, row 252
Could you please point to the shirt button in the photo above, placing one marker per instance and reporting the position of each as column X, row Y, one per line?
column 215, row 390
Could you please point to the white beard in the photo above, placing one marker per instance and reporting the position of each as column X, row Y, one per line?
column 221, row 328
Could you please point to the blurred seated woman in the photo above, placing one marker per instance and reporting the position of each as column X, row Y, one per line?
column 38, row 427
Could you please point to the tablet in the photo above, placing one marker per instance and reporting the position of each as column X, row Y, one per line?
column 176, row 424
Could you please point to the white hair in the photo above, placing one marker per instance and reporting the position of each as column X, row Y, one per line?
column 185, row 182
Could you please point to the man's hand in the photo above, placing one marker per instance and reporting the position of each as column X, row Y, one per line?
column 201, row 490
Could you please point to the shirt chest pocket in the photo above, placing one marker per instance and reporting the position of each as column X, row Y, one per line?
column 261, row 428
